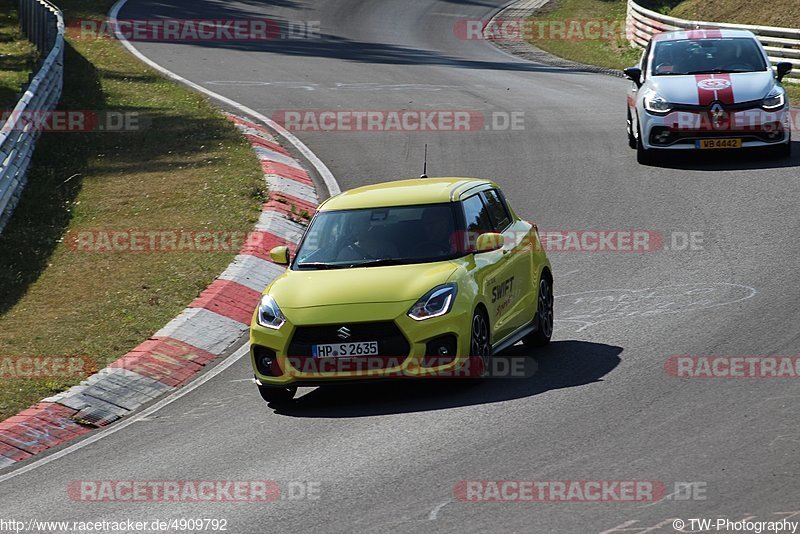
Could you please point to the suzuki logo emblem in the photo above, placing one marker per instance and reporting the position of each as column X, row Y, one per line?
column 344, row 332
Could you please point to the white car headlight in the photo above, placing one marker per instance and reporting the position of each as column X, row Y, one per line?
column 655, row 103
column 776, row 99
column 269, row 314
column 435, row 303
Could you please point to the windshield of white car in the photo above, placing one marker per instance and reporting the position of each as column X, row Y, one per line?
column 707, row 56
column 377, row 237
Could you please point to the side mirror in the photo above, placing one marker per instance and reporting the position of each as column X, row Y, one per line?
column 280, row 255
column 634, row 74
column 489, row 242
column 784, row 68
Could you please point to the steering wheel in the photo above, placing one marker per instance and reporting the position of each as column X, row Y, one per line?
column 663, row 68
column 358, row 250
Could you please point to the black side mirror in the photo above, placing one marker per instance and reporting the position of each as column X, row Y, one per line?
column 634, row 74
column 784, row 68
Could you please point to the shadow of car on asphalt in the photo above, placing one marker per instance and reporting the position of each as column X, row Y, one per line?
column 562, row 364
column 727, row 160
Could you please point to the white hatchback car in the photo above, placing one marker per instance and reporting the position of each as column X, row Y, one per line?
column 707, row 89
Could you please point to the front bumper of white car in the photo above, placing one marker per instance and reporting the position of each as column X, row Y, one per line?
column 685, row 128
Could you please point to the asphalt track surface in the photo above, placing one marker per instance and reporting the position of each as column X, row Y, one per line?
column 600, row 407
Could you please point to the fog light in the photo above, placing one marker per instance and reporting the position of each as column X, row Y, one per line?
column 440, row 351
column 660, row 135
column 266, row 361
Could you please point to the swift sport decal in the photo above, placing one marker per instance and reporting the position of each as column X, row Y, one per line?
column 503, row 296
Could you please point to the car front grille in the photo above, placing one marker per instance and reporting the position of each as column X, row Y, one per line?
column 391, row 341
column 665, row 136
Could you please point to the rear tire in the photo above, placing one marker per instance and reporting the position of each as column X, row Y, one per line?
column 277, row 395
column 544, row 316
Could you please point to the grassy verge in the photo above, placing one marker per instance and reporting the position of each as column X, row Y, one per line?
column 616, row 53
column 785, row 13
column 611, row 51
column 17, row 55
column 185, row 168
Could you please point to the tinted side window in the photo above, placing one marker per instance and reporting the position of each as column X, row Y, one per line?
column 501, row 219
column 477, row 220
column 476, row 215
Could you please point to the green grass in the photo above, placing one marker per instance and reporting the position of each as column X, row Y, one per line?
column 188, row 168
column 17, row 55
column 785, row 13
column 612, row 51
column 616, row 53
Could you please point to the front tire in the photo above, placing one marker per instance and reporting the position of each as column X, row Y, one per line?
column 544, row 316
column 631, row 137
column 277, row 395
column 480, row 346
column 643, row 156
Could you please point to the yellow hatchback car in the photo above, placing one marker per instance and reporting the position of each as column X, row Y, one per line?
column 418, row 278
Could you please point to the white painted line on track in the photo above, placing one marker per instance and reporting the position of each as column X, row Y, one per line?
column 330, row 182
column 435, row 512
column 166, row 401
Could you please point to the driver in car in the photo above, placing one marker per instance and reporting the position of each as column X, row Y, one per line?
column 437, row 240
column 364, row 241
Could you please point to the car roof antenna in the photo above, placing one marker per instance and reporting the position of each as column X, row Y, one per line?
column 425, row 163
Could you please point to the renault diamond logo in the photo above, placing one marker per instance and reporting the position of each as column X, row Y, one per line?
column 718, row 115
column 344, row 332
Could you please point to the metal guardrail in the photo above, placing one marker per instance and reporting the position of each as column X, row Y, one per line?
column 43, row 24
column 781, row 44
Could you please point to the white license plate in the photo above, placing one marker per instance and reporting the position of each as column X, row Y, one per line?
column 339, row 350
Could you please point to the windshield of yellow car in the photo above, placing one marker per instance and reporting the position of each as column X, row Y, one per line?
column 379, row 236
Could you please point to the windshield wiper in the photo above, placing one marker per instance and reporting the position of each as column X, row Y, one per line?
column 716, row 71
column 379, row 262
column 320, row 265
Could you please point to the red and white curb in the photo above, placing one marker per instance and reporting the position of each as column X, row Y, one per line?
column 198, row 335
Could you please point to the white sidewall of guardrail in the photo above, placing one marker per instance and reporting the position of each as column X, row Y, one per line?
column 43, row 24
column 781, row 44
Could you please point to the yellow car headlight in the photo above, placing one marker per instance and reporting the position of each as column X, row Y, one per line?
column 435, row 303
column 269, row 314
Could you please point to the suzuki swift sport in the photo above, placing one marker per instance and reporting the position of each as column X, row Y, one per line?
column 415, row 279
